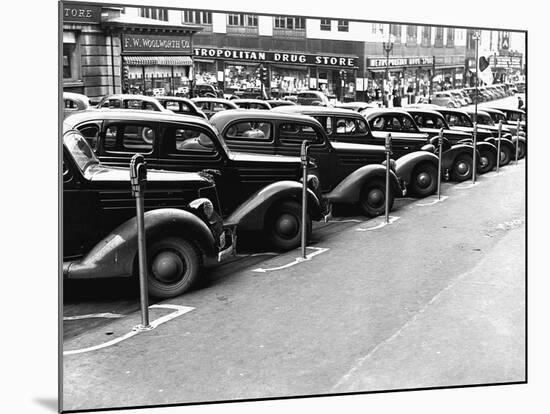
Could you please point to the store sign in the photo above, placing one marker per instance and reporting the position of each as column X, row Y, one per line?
column 277, row 57
column 513, row 62
column 411, row 61
column 156, row 44
column 449, row 60
column 81, row 13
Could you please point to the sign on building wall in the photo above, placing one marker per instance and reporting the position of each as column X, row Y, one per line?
column 81, row 13
column 276, row 57
column 156, row 44
column 381, row 62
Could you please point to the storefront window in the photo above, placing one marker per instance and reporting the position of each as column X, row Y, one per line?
column 240, row 77
column 288, row 81
column 205, row 72
column 158, row 80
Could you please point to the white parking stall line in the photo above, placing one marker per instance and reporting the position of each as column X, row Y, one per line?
column 106, row 315
column 346, row 221
column 392, row 219
column 431, row 203
column 466, row 186
column 318, row 250
column 179, row 310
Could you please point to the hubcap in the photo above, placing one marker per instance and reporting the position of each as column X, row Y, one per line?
column 463, row 168
column 287, row 225
column 167, row 266
column 424, row 180
column 502, row 156
column 484, row 162
column 375, row 198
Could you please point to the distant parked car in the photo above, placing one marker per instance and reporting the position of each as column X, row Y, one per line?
column 73, row 102
column 312, row 98
column 211, row 106
column 251, row 103
column 178, row 105
column 207, row 90
column 126, row 101
column 247, row 93
column 445, row 99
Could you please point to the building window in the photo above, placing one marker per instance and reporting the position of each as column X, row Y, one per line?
column 197, row 17
column 411, row 34
column 343, row 25
column 292, row 23
column 249, row 20
column 71, row 57
column 154, row 13
column 470, row 41
column 426, row 35
column 395, row 29
column 377, row 28
column 325, row 24
column 438, row 37
column 450, row 37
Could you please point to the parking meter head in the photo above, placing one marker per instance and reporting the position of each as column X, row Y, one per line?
column 388, row 143
column 138, row 174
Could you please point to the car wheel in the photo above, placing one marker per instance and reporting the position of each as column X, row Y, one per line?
column 462, row 168
column 505, row 155
column 487, row 161
column 283, row 225
column 372, row 200
column 424, row 180
column 173, row 265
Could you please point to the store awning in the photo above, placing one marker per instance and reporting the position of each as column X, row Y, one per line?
column 159, row 60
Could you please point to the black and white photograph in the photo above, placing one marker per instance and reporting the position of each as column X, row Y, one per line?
column 261, row 206
column 295, row 207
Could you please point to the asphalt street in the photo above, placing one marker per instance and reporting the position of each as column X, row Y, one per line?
column 435, row 298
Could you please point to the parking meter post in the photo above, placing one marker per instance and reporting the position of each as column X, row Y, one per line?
column 138, row 179
column 440, row 144
column 388, row 153
column 517, row 142
column 474, row 158
column 305, row 159
column 498, row 144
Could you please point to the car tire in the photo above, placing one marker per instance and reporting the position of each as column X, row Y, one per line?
column 174, row 266
column 505, row 155
column 283, row 225
column 372, row 200
column 521, row 150
column 462, row 168
column 487, row 161
column 424, row 180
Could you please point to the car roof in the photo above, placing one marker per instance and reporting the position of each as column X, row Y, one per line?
column 130, row 96
column 132, row 115
column 370, row 112
column 206, row 99
column 479, row 111
column 424, row 111
column 316, row 109
column 493, row 111
column 247, row 100
column 173, row 98
column 521, row 111
column 222, row 118
column 452, row 110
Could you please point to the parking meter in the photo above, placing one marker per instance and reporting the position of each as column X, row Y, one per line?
column 388, row 151
column 498, row 144
column 474, row 154
column 440, row 146
column 305, row 161
column 138, row 179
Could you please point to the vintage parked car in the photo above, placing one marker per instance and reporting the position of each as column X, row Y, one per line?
column 407, row 138
column 256, row 192
column 459, row 120
column 349, row 173
column 247, row 93
column 312, row 98
column 445, row 99
column 485, row 121
column 210, row 106
column 127, row 101
column 251, row 103
column 498, row 115
column 178, row 105
column 418, row 170
column 184, row 229
column 431, row 122
column 74, row 102
column 513, row 115
column 279, row 102
column 206, row 90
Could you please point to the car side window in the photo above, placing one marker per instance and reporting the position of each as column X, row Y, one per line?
column 111, row 103
column 249, row 131
column 452, row 120
column 293, row 133
column 378, row 123
column 70, row 104
column 407, row 124
column 91, row 133
column 129, row 138
column 326, row 122
column 186, row 139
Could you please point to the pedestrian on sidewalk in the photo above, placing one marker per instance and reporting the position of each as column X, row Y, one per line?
column 520, row 103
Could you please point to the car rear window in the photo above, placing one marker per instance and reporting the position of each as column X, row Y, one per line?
column 249, row 131
column 293, row 133
column 129, row 138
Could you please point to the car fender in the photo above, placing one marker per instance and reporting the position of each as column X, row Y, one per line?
column 405, row 165
column 503, row 142
column 251, row 214
column 450, row 155
column 349, row 189
column 521, row 139
column 115, row 255
column 486, row 146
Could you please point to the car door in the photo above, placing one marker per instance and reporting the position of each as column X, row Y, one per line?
column 405, row 136
column 121, row 139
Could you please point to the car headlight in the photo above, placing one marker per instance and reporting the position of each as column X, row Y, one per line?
column 312, row 182
column 204, row 205
column 392, row 164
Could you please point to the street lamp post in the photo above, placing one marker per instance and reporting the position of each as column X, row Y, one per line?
column 388, row 47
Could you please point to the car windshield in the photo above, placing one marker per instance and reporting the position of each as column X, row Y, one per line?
column 80, row 150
